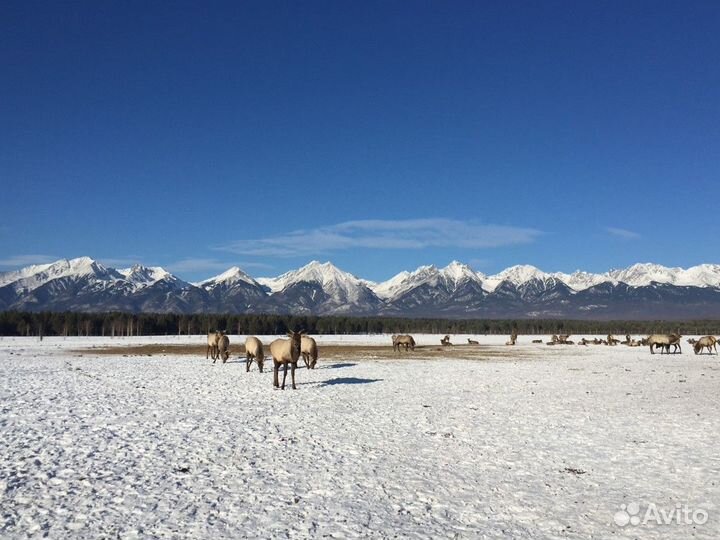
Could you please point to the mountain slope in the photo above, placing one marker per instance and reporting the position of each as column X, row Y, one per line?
column 234, row 291
column 320, row 288
column 640, row 291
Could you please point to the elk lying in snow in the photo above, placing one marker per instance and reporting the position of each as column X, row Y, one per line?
column 403, row 340
column 284, row 352
column 254, row 351
column 223, row 348
column 612, row 340
column 537, row 340
column 309, row 351
column 212, row 345
column 445, row 341
column 709, row 342
column 560, row 340
column 663, row 341
column 473, row 342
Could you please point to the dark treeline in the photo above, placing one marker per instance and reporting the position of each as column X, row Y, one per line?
column 123, row 324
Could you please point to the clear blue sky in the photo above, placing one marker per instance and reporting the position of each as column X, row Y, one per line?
column 378, row 135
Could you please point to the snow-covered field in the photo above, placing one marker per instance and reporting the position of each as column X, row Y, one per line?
column 548, row 443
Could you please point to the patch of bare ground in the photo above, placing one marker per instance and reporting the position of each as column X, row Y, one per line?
column 332, row 352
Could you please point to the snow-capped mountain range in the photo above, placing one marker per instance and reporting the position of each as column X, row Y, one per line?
column 640, row 291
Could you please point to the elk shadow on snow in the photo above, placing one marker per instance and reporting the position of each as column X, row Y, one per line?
column 348, row 380
column 339, row 365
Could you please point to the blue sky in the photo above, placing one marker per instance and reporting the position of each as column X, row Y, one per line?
column 377, row 135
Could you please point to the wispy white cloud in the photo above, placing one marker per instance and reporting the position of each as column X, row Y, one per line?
column 17, row 261
column 121, row 262
column 209, row 265
column 478, row 263
column 623, row 233
column 384, row 234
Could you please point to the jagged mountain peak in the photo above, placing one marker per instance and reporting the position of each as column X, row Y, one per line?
column 232, row 275
column 146, row 275
column 450, row 277
column 580, row 280
column 79, row 266
column 642, row 274
column 326, row 274
column 459, row 271
column 520, row 273
column 31, row 277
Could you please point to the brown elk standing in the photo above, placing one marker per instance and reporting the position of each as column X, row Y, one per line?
column 254, row 351
column 663, row 341
column 284, row 352
column 212, row 345
column 309, row 351
column 223, row 348
column 709, row 342
column 403, row 340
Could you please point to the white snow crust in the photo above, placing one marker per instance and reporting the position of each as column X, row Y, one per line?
column 547, row 442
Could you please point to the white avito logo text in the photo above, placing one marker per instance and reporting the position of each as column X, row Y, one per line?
column 680, row 514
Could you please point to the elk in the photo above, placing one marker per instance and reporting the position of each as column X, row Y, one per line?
column 223, row 348
column 406, row 340
column 309, row 351
column 706, row 342
column 212, row 345
column 284, row 352
column 445, row 341
column 473, row 342
column 664, row 341
column 559, row 340
column 254, row 351
column 513, row 338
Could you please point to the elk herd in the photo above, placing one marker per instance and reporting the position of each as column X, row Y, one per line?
column 284, row 352
column 663, row 342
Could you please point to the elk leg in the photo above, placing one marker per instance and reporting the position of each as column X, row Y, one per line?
column 247, row 364
column 276, row 367
column 305, row 359
column 292, row 372
column 284, row 377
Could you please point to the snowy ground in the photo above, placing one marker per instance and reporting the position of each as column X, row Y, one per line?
column 547, row 444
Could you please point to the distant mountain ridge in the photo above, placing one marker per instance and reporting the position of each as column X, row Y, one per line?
column 641, row 291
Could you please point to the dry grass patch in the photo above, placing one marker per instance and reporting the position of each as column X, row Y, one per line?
column 331, row 352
